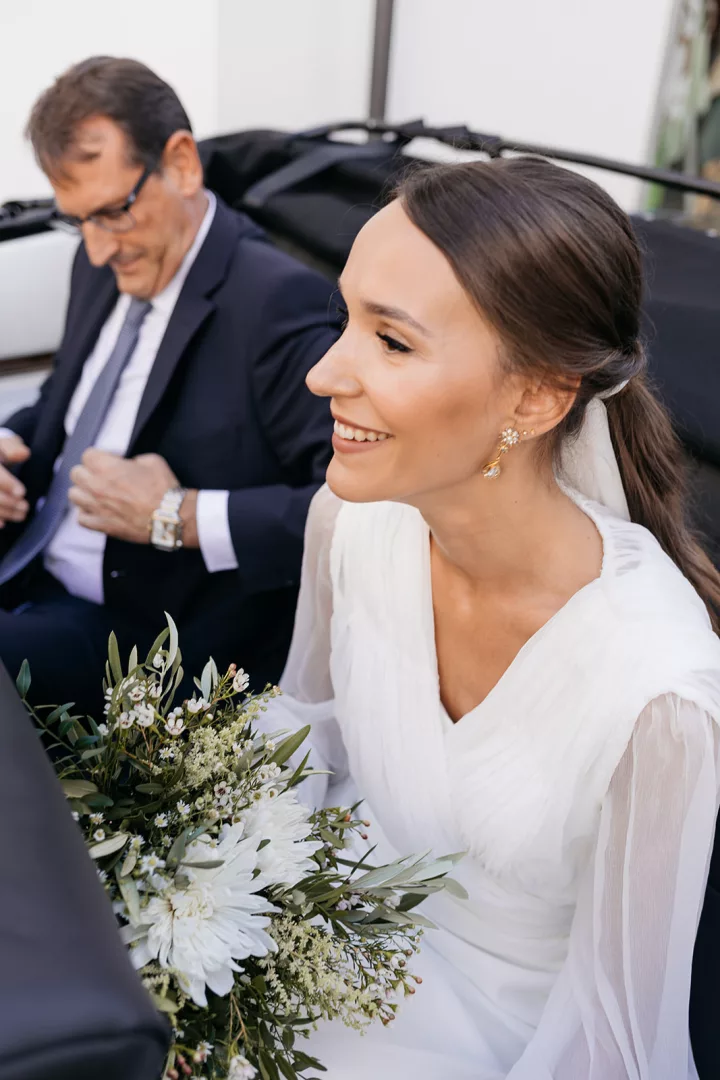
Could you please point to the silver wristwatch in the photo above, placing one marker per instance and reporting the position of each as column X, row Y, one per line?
column 166, row 523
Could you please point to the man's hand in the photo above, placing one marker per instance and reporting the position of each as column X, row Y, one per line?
column 118, row 497
column 13, row 505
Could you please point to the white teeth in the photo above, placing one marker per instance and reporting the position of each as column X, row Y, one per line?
column 359, row 434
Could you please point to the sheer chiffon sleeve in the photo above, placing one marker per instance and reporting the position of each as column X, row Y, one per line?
column 306, row 684
column 619, row 1009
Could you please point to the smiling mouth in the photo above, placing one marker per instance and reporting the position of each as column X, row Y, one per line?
column 353, row 434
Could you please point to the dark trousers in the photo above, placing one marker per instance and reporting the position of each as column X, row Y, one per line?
column 65, row 641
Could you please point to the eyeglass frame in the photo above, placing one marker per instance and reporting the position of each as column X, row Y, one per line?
column 76, row 223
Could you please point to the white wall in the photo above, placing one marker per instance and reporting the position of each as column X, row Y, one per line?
column 40, row 38
column 293, row 64
column 567, row 73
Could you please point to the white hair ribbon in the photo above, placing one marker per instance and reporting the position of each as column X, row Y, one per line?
column 588, row 462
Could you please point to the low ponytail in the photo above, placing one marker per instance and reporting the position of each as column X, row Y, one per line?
column 653, row 472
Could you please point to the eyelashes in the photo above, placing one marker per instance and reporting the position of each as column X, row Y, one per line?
column 392, row 344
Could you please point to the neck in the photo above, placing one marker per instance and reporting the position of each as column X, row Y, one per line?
column 510, row 533
column 195, row 210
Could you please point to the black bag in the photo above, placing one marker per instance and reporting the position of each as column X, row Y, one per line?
column 313, row 194
column 71, row 1007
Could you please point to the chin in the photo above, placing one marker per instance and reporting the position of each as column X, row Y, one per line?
column 350, row 485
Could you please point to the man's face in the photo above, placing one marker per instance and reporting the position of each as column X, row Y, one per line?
column 99, row 175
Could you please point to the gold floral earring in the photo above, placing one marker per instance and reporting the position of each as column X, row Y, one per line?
column 509, row 437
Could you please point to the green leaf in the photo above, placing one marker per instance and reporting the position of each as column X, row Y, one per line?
column 268, row 1068
column 177, row 851
column 23, row 680
column 211, row 864
column 297, row 775
column 164, row 1004
column 87, row 755
column 109, row 846
column 455, row 889
column 156, row 647
column 86, row 741
column 114, row 658
column 78, row 789
column 209, row 678
column 99, row 802
column 173, row 644
column 133, row 659
column 129, row 863
column 285, row 1067
column 131, row 896
column 288, row 746
column 150, row 789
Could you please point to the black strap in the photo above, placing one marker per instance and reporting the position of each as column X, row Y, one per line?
column 313, row 162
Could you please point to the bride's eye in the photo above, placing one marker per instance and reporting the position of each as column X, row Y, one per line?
column 393, row 345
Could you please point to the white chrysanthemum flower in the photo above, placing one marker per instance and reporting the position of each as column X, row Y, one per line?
column 97, row 819
column 284, row 822
column 161, row 821
column 202, row 1052
column 127, row 719
column 136, row 843
column 175, row 725
column 183, row 808
column 167, row 753
column 200, row 931
column 241, row 681
column 241, row 1069
column 99, row 835
column 145, row 716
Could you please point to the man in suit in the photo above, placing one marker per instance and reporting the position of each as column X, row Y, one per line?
column 170, row 460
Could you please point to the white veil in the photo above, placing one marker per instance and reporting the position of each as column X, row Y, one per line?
column 588, row 463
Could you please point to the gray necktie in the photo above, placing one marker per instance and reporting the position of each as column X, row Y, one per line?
column 48, row 519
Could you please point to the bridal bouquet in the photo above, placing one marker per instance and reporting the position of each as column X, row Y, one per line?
column 242, row 910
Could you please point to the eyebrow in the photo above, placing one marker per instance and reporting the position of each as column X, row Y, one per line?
column 393, row 313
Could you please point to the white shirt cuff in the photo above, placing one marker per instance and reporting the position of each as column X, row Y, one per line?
column 213, row 526
column 6, row 433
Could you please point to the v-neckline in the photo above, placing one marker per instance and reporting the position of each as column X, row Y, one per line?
column 542, row 632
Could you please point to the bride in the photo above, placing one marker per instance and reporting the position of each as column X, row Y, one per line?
column 505, row 637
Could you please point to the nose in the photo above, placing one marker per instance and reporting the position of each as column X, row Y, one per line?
column 333, row 376
column 100, row 244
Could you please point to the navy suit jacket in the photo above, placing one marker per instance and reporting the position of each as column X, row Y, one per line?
column 226, row 405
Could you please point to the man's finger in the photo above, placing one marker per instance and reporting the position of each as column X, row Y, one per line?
column 91, row 521
column 82, row 498
column 10, row 485
column 99, row 460
column 13, row 450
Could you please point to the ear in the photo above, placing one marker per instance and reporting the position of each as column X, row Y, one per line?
column 181, row 162
column 543, row 405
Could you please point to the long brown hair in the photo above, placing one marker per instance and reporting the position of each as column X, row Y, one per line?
column 552, row 262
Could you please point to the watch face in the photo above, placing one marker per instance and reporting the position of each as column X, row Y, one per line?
column 164, row 532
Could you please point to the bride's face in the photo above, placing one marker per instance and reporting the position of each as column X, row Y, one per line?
column 417, row 390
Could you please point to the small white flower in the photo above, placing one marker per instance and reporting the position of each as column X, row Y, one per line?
column 174, row 725
column 167, row 753
column 222, row 789
column 196, row 705
column 136, row 843
column 106, row 708
column 199, row 803
column 270, row 746
column 392, row 902
column 102, row 874
column 76, row 816
column 342, row 905
column 103, row 730
column 97, row 819
column 202, row 1053
column 109, row 693
column 127, row 719
column 177, row 711
column 150, row 863
column 241, row 1069
column 241, row 682
column 99, row 835
column 167, row 841
column 161, row 821
column 145, row 716
column 155, row 691
column 159, row 660
column 137, row 693
column 183, row 809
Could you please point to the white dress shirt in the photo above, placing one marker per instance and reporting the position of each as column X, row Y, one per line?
column 75, row 554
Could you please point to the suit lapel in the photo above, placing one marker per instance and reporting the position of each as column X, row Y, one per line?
column 193, row 307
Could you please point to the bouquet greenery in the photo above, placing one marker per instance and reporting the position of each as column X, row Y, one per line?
column 244, row 912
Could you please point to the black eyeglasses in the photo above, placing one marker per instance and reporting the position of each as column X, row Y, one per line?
column 116, row 219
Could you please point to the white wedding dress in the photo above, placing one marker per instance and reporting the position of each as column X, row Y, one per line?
column 584, row 789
